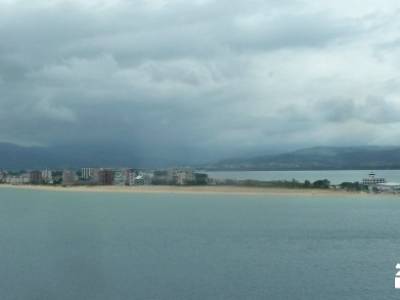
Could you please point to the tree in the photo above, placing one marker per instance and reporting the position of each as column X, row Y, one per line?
column 322, row 184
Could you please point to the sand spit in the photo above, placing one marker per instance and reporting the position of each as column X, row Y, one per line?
column 232, row 190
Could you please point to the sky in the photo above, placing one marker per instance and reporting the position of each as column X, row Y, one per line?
column 202, row 79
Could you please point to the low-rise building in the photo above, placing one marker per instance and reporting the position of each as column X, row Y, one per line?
column 139, row 180
column 373, row 180
column 179, row 177
column 388, row 187
column 161, row 177
column 201, row 178
column 18, row 179
column 184, row 177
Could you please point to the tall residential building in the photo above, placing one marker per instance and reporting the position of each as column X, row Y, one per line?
column 131, row 176
column 35, row 177
column 119, row 177
column 3, row 176
column 184, row 177
column 68, row 177
column 105, row 177
column 87, row 173
column 47, row 176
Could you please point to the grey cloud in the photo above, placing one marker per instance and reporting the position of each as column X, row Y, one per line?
column 371, row 110
column 338, row 110
column 213, row 78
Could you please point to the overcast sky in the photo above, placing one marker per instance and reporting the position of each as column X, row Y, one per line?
column 210, row 78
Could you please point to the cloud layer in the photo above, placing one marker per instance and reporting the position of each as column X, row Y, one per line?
column 198, row 80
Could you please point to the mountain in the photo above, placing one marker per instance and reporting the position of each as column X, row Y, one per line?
column 74, row 156
column 117, row 155
column 318, row 158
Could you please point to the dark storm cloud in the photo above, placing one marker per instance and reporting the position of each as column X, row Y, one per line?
column 214, row 77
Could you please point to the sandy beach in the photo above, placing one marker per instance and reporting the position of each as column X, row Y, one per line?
column 233, row 190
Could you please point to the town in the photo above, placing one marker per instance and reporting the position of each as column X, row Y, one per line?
column 104, row 176
column 178, row 177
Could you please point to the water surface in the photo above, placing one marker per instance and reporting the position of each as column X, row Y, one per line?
column 65, row 245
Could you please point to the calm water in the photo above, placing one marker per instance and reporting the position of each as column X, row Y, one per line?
column 335, row 177
column 134, row 246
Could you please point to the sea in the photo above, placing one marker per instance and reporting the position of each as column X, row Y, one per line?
column 82, row 246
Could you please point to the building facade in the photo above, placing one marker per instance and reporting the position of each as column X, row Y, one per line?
column 3, row 176
column 131, row 176
column 373, row 180
column 21, row 179
column 120, row 177
column 35, row 177
column 69, row 178
column 47, row 176
column 105, row 177
column 87, row 173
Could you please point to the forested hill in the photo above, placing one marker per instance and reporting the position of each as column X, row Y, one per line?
column 318, row 158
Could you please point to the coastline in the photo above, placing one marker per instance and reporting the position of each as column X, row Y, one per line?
column 164, row 189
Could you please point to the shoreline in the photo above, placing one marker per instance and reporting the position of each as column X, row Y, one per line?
column 166, row 189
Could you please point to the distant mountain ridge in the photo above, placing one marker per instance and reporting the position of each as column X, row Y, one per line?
column 319, row 158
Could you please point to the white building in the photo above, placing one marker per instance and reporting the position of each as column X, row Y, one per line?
column 389, row 187
column 373, row 180
column 15, row 180
column 47, row 176
column 140, row 180
column 184, row 177
column 87, row 173
column 131, row 177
